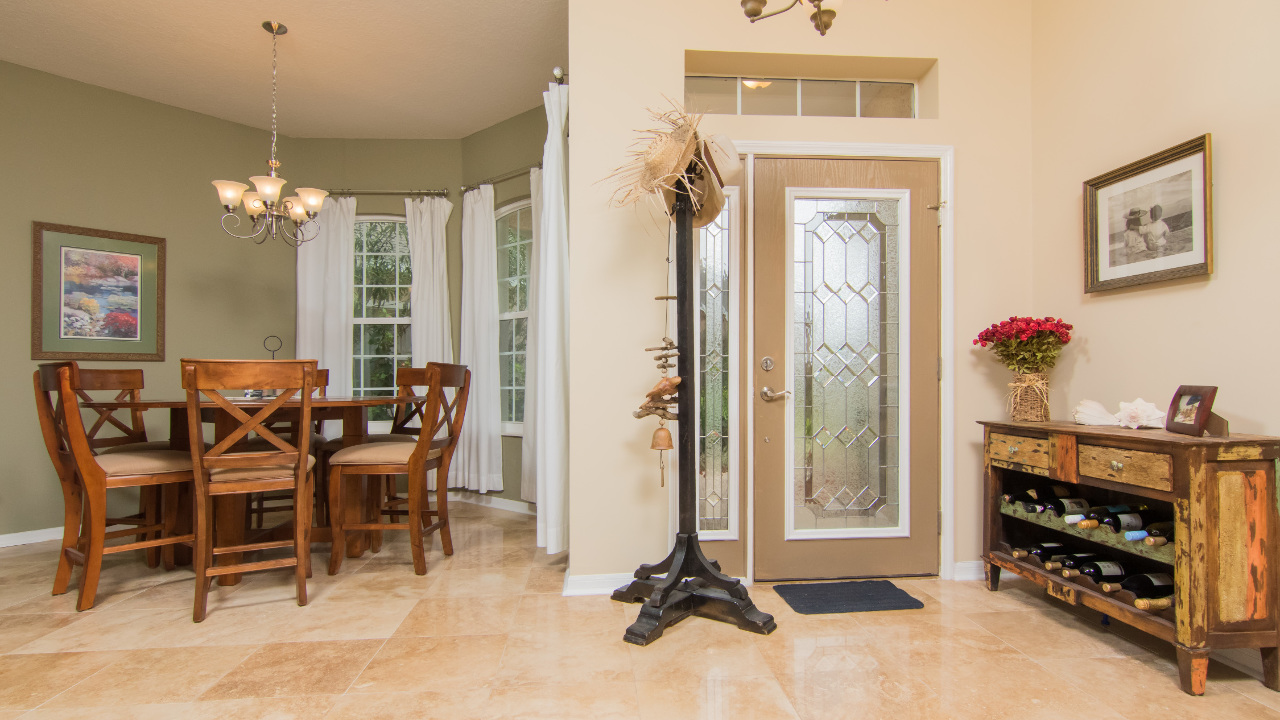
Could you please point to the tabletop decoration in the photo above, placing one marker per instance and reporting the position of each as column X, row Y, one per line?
column 1029, row 347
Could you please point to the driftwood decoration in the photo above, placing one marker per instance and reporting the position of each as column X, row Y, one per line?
column 659, row 399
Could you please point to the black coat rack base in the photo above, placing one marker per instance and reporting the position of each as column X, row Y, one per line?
column 692, row 585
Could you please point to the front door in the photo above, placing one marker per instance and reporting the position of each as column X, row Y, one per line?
column 846, row 324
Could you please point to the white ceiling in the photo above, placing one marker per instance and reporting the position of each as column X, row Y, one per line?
column 347, row 68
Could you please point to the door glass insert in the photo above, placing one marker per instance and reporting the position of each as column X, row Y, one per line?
column 717, row 442
column 845, row 342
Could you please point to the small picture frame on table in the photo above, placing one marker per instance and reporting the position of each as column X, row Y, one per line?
column 1151, row 220
column 1191, row 412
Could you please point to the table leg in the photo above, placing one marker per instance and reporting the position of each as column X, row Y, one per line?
column 180, row 439
column 355, row 427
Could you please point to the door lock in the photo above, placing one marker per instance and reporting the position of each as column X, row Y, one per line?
column 768, row 395
column 766, row 363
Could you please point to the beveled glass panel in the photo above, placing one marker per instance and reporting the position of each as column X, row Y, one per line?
column 830, row 98
column 844, row 336
column 778, row 97
column 718, row 95
column 887, row 100
column 716, row 493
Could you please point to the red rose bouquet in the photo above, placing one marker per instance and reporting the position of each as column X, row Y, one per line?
column 1025, row 344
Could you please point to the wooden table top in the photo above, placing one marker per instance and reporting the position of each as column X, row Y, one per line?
column 332, row 401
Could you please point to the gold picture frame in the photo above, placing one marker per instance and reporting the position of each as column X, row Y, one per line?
column 96, row 294
column 1151, row 220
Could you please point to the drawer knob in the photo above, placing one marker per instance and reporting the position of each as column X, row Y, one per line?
column 1013, row 449
column 1117, row 465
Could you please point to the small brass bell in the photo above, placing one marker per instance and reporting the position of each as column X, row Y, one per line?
column 661, row 439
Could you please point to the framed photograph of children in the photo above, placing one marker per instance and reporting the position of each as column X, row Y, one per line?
column 1190, row 410
column 1150, row 220
column 96, row 294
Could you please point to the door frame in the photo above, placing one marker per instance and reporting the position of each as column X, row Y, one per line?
column 945, row 155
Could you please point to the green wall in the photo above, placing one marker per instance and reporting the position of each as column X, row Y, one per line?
column 77, row 154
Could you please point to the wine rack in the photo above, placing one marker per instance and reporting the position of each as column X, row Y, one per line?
column 1219, row 492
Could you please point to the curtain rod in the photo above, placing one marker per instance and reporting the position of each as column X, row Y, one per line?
column 502, row 178
column 406, row 193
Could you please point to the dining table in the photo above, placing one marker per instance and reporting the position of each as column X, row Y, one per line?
column 230, row 510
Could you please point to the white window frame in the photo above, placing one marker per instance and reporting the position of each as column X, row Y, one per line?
column 378, row 426
column 516, row 429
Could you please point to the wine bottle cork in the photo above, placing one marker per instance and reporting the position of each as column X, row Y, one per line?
column 1019, row 553
column 1109, row 587
column 1070, row 572
column 1153, row 603
column 1088, row 524
column 1156, row 541
column 1051, row 565
column 1072, row 519
column 1135, row 535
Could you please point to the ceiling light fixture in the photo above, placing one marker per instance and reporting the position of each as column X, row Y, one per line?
column 824, row 11
column 265, row 209
column 757, row 84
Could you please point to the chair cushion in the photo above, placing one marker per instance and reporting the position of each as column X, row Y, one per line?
column 378, row 453
column 266, row 472
column 150, row 462
column 335, row 444
column 135, row 447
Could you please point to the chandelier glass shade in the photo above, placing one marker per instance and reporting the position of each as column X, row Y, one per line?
column 270, row 216
column 824, row 11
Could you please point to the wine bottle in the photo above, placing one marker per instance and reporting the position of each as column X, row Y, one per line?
column 1059, row 562
column 1159, row 533
column 1093, row 516
column 1135, row 535
column 1103, row 570
column 1073, row 519
column 1122, row 521
column 1058, row 507
column 1035, row 496
column 1147, row 585
column 1039, row 551
column 1152, row 604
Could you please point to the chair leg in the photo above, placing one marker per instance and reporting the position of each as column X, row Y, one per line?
column 338, row 546
column 95, row 536
column 72, row 511
column 417, row 496
column 373, row 508
column 169, row 514
column 321, row 476
column 149, row 500
column 442, row 506
column 302, row 551
column 203, row 553
column 307, row 495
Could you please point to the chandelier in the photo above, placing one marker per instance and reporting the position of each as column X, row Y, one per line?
column 824, row 11
column 270, row 216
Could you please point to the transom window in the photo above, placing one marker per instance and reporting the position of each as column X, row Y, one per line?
column 799, row 96
column 515, row 253
column 380, row 331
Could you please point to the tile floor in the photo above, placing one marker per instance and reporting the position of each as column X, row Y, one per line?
column 486, row 634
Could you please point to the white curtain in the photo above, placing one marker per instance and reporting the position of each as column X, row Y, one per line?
column 478, row 460
column 430, row 332
column 528, row 444
column 325, row 286
column 548, row 377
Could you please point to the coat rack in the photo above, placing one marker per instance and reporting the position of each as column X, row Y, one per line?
column 692, row 583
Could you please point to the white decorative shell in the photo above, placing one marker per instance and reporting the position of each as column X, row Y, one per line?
column 1140, row 413
column 1091, row 412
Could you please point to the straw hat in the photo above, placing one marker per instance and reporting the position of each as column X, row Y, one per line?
column 661, row 158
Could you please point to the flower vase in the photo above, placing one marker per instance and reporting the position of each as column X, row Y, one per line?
column 1029, row 397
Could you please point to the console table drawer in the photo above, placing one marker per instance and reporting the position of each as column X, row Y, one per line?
column 1131, row 467
column 1019, row 449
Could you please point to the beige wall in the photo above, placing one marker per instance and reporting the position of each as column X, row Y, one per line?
column 618, row 513
column 80, row 155
column 1116, row 82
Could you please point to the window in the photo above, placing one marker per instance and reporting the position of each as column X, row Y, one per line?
column 515, row 254
column 799, row 96
column 380, row 332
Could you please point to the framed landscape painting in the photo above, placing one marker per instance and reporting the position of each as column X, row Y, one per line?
column 1150, row 220
column 96, row 294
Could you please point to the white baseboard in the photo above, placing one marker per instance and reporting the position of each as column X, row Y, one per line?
column 968, row 570
column 495, row 502
column 30, row 536
column 595, row 584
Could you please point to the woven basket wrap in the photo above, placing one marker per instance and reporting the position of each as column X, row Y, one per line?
column 1029, row 397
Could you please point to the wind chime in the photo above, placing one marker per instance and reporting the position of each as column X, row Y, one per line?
column 660, row 400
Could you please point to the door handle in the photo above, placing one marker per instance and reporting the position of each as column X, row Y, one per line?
column 768, row 395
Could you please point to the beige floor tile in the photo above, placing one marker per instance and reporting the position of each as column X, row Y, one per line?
column 698, row 647
column 545, row 580
column 12, row 714
column 556, row 614
column 539, row 657
column 167, row 675
column 438, row 663
column 599, row 700
column 1051, row 632
column 439, row 705
column 802, row 653
column 287, row 708
column 1015, row 593
column 30, row 680
column 870, row 691
column 493, row 556
column 178, row 593
column 125, row 629
column 18, row 630
column 339, row 621
column 281, row 669
column 460, row 583
column 492, row 615
column 1147, row 687
column 747, row 698
column 377, row 587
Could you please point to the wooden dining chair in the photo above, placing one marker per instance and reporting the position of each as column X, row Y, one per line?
column 263, row 504
column 441, row 422
column 221, row 471
column 94, row 474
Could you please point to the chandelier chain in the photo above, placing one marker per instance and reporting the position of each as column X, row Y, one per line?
column 274, row 38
